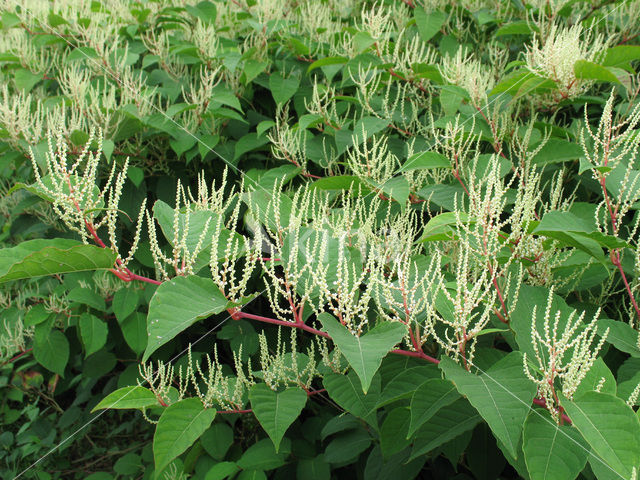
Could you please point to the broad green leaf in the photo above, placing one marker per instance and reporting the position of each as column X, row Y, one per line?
column 428, row 399
column 25, row 80
column 519, row 27
column 621, row 335
column 217, row 440
column 52, row 351
column 225, row 96
column 558, row 150
column 36, row 258
column 341, row 182
column 610, row 427
column 425, row 161
column 621, row 55
column 451, row 421
column 134, row 330
column 362, row 41
column 262, row 456
column 124, row 303
column 327, row 61
column 282, row 88
column 393, row 432
column 502, row 395
column 577, row 232
column 599, row 378
column 93, row 332
column 178, row 427
column 484, row 458
column 551, row 451
column 313, row 469
column 276, row 411
column 87, row 296
column 406, row 383
column 428, row 23
column 347, row 446
column 364, row 353
column 586, row 70
column 177, row 304
column 346, row 391
column 222, row 470
column 398, row 189
column 442, row 227
column 128, row 397
column 251, row 141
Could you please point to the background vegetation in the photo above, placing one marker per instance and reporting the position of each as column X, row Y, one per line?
column 319, row 239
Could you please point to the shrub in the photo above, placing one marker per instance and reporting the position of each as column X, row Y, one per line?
column 265, row 238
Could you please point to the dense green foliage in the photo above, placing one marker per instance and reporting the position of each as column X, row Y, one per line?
column 319, row 239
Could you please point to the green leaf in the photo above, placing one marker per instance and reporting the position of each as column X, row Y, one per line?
column 341, row 182
column 346, row 391
column 222, row 470
column 428, row 399
column 586, row 70
column 347, row 446
column 425, row 161
column 217, row 440
column 364, row 353
column 450, row 422
column 551, row 451
column 52, row 351
column 248, row 143
column 128, row 397
column 557, row 150
column 134, row 330
column 93, row 332
column 442, row 227
column 124, row 303
column 87, row 296
column 397, row 188
column 178, row 427
column 621, row 335
column 519, row 27
column 428, row 23
column 577, row 232
column 178, row 304
column 327, row 61
column 261, row 456
column 276, row 411
column 223, row 95
column 313, row 469
column 282, row 88
column 610, row 427
column 406, row 383
column 621, row 55
column 599, row 378
column 25, row 80
column 36, row 258
column 393, row 432
column 502, row 395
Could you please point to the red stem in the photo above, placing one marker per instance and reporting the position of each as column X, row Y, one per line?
column 275, row 321
column 20, row 355
column 222, row 412
column 542, row 403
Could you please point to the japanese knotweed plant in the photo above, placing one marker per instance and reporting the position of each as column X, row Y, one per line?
column 377, row 239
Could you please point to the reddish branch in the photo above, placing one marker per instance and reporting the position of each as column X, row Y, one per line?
column 17, row 357
column 542, row 403
column 614, row 254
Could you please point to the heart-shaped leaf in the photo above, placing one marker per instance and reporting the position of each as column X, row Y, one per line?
column 364, row 353
column 179, row 426
column 502, row 395
column 276, row 411
column 178, row 304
